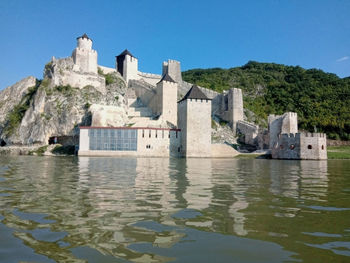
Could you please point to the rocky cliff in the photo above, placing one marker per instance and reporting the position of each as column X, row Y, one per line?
column 31, row 111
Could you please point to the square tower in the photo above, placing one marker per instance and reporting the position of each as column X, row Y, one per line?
column 194, row 120
column 173, row 69
column 127, row 65
column 167, row 91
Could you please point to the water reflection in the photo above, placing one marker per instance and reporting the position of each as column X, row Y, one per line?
column 146, row 209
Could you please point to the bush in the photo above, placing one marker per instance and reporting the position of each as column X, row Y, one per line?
column 109, row 79
column 15, row 117
column 67, row 150
column 40, row 151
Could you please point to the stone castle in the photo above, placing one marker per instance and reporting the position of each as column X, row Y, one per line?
column 170, row 117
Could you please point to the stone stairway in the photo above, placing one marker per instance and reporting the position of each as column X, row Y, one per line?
column 140, row 116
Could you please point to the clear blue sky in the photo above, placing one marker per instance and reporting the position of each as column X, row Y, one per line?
column 200, row 34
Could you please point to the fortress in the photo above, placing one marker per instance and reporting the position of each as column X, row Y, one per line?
column 170, row 117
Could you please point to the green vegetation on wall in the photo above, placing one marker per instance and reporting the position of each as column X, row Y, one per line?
column 15, row 117
column 322, row 100
column 109, row 77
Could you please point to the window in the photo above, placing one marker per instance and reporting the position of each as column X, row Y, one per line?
column 150, row 133
column 292, row 146
column 309, row 146
column 143, row 133
column 322, row 147
column 169, row 135
column 176, row 134
column 113, row 140
column 156, row 134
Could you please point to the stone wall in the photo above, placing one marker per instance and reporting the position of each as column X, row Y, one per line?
column 248, row 131
column 287, row 147
column 107, row 70
column 151, row 79
column 62, row 73
column 304, row 146
column 337, row 143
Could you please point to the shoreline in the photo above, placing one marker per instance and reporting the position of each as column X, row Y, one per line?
column 333, row 152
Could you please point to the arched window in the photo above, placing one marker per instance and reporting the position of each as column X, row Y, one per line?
column 309, row 146
column 322, row 147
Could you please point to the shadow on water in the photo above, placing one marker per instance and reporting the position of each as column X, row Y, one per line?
column 187, row 210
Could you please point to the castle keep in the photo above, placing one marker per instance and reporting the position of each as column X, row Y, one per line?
column 162, row 115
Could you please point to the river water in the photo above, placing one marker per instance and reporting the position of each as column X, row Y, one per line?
column 85, row 209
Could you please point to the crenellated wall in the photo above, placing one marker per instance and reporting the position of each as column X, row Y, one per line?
column 304, row 146
column 150, row 78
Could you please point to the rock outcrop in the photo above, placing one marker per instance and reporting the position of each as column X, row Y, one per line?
column 32, row 111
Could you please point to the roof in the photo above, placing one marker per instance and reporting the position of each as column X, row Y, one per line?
column 166, row 77
column 195, row 93
column 125, row 52
column 84, row 36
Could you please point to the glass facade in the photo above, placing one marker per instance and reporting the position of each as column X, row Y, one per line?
column 113, row 139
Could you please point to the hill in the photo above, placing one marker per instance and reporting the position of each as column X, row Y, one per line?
column 322, row 100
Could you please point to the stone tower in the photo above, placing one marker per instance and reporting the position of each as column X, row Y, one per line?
column 280, row 124
column 235, row 107
column 167, row 89
column 232, row 107
column 173, row 69
column 194, row 120
column 84, row 57
column 127, row 65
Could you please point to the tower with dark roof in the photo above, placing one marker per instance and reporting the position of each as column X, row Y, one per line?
column 167, row 94
column 194, row 120
column 84, row 57
column 127, row 65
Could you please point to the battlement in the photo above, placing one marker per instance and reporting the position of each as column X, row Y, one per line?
column 291, row 114
column 289, row 135
column 87, row 49
column 236, row 90
column 171, row 61
column 315, row 134
column 149, row 75
column 303, row 134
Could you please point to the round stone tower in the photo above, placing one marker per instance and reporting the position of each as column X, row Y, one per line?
column 84, row 42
